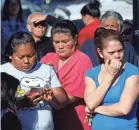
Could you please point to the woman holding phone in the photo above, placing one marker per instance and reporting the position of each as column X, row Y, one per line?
column 22, row 64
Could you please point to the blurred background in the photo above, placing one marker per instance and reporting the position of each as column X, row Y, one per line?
column 70, row 9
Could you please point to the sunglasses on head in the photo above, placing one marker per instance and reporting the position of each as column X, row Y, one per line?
column 41, row 23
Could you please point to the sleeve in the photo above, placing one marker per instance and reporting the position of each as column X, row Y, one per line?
column 51, row 20
column 54, row 81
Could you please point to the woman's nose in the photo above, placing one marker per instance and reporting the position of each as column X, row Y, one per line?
column 26, row 60
column 61, row 45
column 117, row 55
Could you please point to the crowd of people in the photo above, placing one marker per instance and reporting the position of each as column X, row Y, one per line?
column 72, row 80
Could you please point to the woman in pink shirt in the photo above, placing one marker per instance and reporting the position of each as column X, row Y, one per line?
column 71, row 66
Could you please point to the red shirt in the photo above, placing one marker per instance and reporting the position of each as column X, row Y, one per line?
column 88, row 31
column 72, row 78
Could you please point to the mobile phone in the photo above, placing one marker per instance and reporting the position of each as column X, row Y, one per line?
column 36, row 89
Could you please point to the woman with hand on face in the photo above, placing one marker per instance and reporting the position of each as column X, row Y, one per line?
column 111, row 91
column 71, row 66
column 34, row 77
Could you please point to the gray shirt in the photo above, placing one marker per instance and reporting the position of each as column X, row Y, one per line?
column 42, row 75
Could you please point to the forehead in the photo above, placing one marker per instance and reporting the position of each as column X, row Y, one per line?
column 110, row 22
column 34, row 17
column 25, row 48
column 62, row 35
column 113, row 45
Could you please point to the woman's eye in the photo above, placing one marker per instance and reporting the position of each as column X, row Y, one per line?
column 111, row 53
column 21, row 57
column 65, row 41
column 56, row 42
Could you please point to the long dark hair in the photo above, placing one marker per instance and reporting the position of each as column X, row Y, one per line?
column 9, row 86
column 18, row 38
column 5, row 15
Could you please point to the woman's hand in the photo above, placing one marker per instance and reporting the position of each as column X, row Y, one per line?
column 88, row 116
column 34, row 98
column 48, row 94
column 112, row 66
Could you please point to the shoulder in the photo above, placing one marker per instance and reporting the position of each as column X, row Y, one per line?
column 93, row 71
column 82, row 56
column 5, row 67
column 83, row 59
column 131, row 69
column 46, row 39
column 46, row 66
column 47, row 57
column 128, row 47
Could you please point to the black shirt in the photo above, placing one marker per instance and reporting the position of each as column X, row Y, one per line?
column 44, row 46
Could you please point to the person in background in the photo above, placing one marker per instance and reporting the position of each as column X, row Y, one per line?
column 111, row 91
column 22, row 64
column 70, row 65
column 113, row 20
column 90, row 16
column 12, row 21
column 127, row 31
column 9, row 108
column 110, row 20
column 37, row 26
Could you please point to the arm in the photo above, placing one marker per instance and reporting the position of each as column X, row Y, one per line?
column 56, row 97
column 60, row 98
column 127, row 100
column 94, row 96
column 51, row 20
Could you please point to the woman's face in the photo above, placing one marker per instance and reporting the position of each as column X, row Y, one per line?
column 64, row 44
column 24, row 57
column 113, row 50
column 110, row 24
column 13, row 7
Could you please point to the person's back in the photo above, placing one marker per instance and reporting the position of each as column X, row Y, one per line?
column 90, row 16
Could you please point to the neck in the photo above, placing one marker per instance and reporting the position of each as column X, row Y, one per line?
column 63, row 61
column 36, row 38
column 91, row 20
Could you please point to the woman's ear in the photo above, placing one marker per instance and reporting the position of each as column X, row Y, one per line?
column 76, row 39
column 10, row 57
column 100, row 53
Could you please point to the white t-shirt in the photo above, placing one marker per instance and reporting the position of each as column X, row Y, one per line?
column 38, row 118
